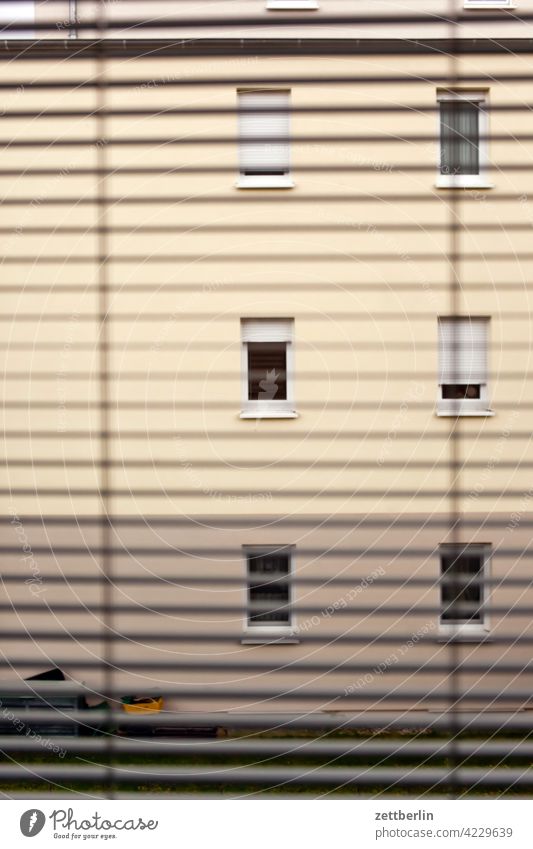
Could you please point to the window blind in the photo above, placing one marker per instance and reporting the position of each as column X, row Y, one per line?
column 20, row 12
column 267, row 329
column 459, row 137
column 264, row 136
column 463, row 350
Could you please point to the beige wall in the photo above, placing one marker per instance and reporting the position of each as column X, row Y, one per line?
column 365, row 298
column 434, row 15
column 359, row 259
column 346, row 562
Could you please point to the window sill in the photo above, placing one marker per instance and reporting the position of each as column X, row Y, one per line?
column 264, row 183
column 442, row 414
column 263, row 635
column 462, row 634
column 294, row 5
column 464, row 638
column 270, row 641
column 268, row 414
column 462, row 183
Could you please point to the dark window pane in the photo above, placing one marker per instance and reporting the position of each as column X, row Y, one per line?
column 268, row 588
column 460, row 391
column 461, row 586
column 459, row 129
column 268, row 564
column 267, row 371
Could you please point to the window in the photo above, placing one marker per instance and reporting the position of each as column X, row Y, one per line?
column 463, row 368
column 463, row 127
column 463, row 572
column 269, row 596
column 17, row 13
column 264, row 144
column 267, row 368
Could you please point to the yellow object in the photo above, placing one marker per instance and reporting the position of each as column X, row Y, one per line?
column 147, row 706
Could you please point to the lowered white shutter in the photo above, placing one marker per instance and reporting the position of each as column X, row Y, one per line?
column 256, row 152
column 267, row 329
column 463, row 350
column 18, row 13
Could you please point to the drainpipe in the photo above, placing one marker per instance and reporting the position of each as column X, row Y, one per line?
column 72, row 19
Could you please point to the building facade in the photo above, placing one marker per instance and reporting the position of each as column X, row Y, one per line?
column 266, row 344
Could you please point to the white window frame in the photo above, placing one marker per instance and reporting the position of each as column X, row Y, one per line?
column 468, row 629
column 295, row 5
column 17, row 13
column 263, row 181
column 466, row 181
column 464, row 406
column 267, row 633
column 268, row 330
